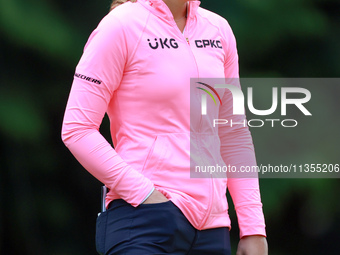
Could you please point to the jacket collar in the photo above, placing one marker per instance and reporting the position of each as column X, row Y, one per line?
column 159, row 8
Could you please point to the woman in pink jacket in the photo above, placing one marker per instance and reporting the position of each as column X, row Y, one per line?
column 139, row 66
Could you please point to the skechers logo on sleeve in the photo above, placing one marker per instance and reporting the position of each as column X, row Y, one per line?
column 165, row 43
column 84, row 77
column 208, row 43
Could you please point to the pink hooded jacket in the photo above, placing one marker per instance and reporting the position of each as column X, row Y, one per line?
column 136, row 67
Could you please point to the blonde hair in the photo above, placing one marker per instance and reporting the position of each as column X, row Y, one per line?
column 115, row 3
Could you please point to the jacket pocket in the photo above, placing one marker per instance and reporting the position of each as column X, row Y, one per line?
column 155, row 156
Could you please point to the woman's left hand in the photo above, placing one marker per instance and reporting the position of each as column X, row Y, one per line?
column 252, row 245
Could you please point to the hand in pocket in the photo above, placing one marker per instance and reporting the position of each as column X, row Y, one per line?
column 155, row 197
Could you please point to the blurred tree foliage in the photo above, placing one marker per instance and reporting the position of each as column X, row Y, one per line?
column 49, row 203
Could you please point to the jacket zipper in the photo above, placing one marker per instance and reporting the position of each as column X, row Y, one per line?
column 186, row 37
column 198, row 76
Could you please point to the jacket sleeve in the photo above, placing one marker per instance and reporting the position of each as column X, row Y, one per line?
column 237, row 150
column 98, row 75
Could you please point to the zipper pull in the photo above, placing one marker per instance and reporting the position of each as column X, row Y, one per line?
column 187, row 39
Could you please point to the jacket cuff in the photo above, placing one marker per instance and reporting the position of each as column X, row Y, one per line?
column 251, row 221
column 148, row 195
column 253, row 231
column 132, row 186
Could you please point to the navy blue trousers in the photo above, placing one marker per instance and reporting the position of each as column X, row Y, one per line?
column 154, row 229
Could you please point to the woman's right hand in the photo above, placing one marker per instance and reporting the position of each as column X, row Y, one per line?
column 155, row 197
